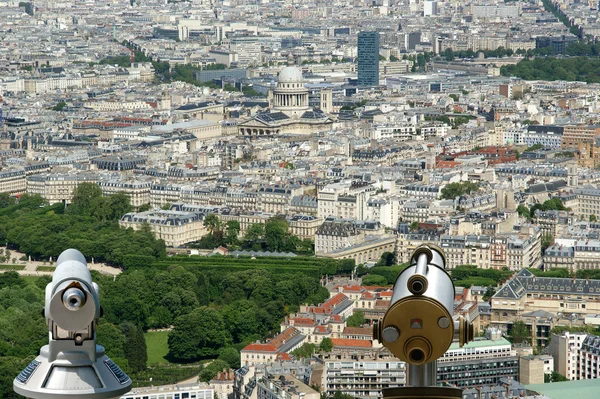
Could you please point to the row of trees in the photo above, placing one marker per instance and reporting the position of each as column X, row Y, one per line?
column 274, row 236
column 451, row 55
column 90, row 224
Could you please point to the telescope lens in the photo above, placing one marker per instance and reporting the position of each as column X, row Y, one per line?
column 73, row 299
column 416, row 355
column 417, row 286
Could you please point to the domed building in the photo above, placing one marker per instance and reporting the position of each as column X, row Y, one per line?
column 289, row 112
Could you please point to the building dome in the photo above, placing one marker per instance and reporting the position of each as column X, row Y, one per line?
column 290, row 74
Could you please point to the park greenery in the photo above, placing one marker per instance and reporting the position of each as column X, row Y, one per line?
column 90, row 224
column 454, row 190
column 215, row 306
column 273, row 236
column 582, row 69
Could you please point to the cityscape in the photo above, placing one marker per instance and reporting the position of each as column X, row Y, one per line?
column 247, row 180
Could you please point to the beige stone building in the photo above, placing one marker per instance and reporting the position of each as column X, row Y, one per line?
column 56, row 187
column 526, row 294
column 532, row 369
column 137, row 191
column 176, row 228
column 13, row 182
column 223, row 383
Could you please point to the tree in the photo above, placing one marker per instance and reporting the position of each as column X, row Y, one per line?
column 305, row 351
column 85, row 198
column 356, row 320
column 210, row 371
column 374, row 279
column 453, row 190
column 326, row 345
column 212, row 222
column 6, row 200
column 414, row 226
column 59, row 107
column 199, row 334
column 144, row 207
column 489, row 292
column 255, row 232
column 519, row 333
column 276, row 233
column 593, row 218
column 231, row 356
column 523, row 211
column 233, row 231
column 547, row 240
column 387, row 259
column 554, row 377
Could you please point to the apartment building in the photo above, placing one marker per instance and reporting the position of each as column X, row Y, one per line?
column 13, row 182
column 533, row 369
column 564, row 348
column 273, row 386
column 223, row 383
column 573, row 254
column 276, row 199
column 176, row 228
column 550, row 221
column 178, row 391
column 575, row 134
column 362, row 374
column 588, row 358
column 525, row 293
column 583, row 201
column 137, row 191
column 344, row 200
column 56, row 187
column 164, row 194
column 333, row 235
column 480, row 362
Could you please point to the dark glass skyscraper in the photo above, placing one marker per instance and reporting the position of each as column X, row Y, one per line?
column 368, row 59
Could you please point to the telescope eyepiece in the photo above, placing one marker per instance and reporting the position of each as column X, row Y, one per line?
column 73, row 299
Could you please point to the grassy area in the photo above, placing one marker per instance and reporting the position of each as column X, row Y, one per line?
column 30, row 279
column 46, row 268
column 12, row 267
column 158, row 348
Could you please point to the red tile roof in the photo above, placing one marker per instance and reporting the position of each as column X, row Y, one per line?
column 260, row 348
column 358, row 331
column 356, row 288
column 321, row 330
column 382, row 303
column 302, row 321
column 351, row 343
column 283, row 357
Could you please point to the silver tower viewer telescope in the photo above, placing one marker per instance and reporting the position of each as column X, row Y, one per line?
column 418, row 326
column 72, row 365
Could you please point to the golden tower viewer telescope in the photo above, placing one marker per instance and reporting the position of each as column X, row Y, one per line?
column 419, row 326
